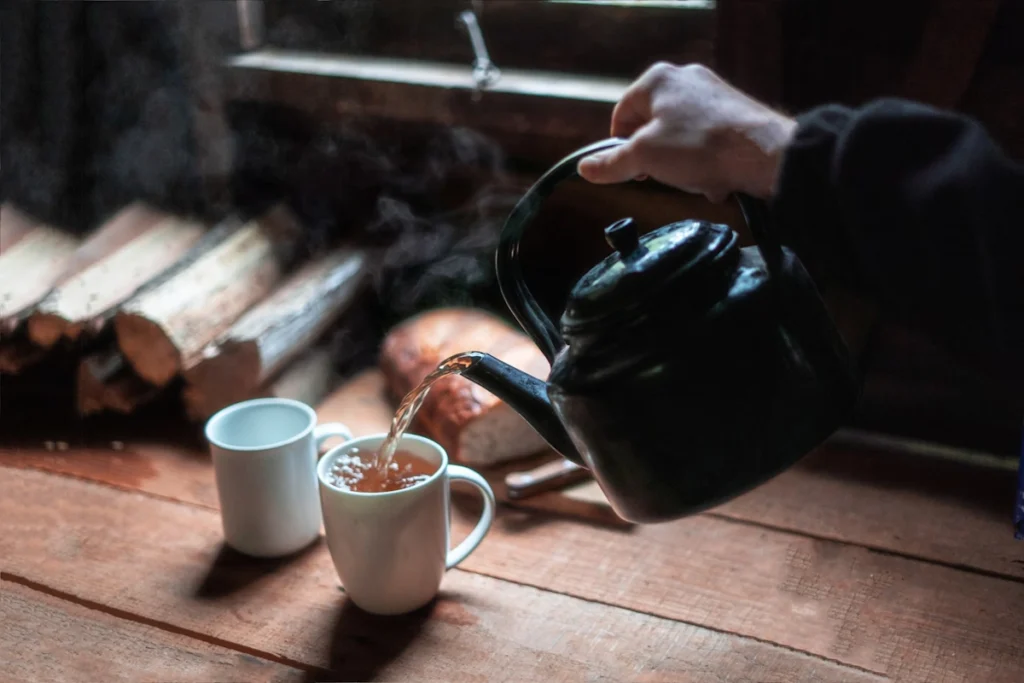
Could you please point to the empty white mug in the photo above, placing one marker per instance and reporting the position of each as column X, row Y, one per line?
column 391, row 549
column 264, row 457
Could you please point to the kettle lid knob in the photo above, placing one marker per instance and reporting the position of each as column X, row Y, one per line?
column 622, row 237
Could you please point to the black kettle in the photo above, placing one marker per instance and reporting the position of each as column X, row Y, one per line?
column 685, row 370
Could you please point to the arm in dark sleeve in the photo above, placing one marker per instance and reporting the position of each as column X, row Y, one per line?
column 919, row 210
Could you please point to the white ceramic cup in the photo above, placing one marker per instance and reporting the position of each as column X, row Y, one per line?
column 391, row 549
column 264, row 458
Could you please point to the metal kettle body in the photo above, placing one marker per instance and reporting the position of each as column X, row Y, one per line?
column 683, row 379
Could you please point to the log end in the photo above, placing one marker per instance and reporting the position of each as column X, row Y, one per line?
column 105, row 383
column 227, row 374
column 147, row 348
column 46, row 329
column 18, row 354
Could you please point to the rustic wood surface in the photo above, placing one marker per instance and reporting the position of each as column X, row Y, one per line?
column 854, row 566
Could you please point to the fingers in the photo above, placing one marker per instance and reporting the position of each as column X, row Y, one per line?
column 630, row 114
column 633, row 109
column 619, row 164
column 616, row 165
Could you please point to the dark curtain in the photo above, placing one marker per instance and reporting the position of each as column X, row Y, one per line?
column 95, row 110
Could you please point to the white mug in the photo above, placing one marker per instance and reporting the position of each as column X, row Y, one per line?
column 264, row 458
column 391, row 549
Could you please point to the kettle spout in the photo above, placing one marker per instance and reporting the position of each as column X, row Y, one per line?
column 526, row 395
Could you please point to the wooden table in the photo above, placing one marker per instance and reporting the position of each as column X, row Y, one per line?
column 856, row 566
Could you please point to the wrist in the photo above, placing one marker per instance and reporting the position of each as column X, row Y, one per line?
column 768, row 139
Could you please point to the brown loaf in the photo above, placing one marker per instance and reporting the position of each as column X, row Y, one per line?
column 472, row 424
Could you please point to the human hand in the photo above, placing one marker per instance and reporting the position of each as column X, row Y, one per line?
column 688, row 128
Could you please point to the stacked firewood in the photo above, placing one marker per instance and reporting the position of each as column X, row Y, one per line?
column 153, row 302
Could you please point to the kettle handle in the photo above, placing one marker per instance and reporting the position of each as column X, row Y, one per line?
column 509, row 272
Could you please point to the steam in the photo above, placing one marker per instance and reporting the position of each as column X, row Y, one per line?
column 98, row 111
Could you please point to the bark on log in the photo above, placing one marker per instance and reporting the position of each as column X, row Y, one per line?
column 273, row 333
column 107, row 383
column 166, row 327
column 29, row 269
column 131, row 249
column 13, row 226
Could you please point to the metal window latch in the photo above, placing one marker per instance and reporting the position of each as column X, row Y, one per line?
column 485, row 73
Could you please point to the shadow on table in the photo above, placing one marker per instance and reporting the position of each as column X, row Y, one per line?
column 989, row 491
column 362, row 644
column 232, row 571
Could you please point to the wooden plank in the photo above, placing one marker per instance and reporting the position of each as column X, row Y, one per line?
column 46, row 638
column 157, row 470
column 871, row 610
column 877, row 611
column 163, row 562
column 944, row 512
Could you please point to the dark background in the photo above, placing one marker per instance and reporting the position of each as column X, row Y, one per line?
column 103, row 103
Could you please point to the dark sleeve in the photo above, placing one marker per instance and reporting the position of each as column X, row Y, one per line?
column 918, row 210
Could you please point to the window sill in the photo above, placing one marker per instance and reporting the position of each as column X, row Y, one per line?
column 533, row 114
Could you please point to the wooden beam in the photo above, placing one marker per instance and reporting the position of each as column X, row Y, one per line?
column 166, row 327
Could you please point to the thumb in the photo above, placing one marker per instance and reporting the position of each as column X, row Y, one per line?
column 616, row 165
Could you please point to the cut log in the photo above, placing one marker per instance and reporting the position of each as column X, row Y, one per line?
column 273, row 332
column 106, row 383
column 17, row 353
column 309, row 379
column 132, row 248
column 166, row 327
column 13, row 226
column 29, row 269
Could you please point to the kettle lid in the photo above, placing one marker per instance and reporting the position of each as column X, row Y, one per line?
column 681, row 254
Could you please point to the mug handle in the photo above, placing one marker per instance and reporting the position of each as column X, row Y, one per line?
column 469, row 544
column 325, row 431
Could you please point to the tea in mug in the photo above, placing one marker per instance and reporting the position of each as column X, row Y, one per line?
column 358, row 471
